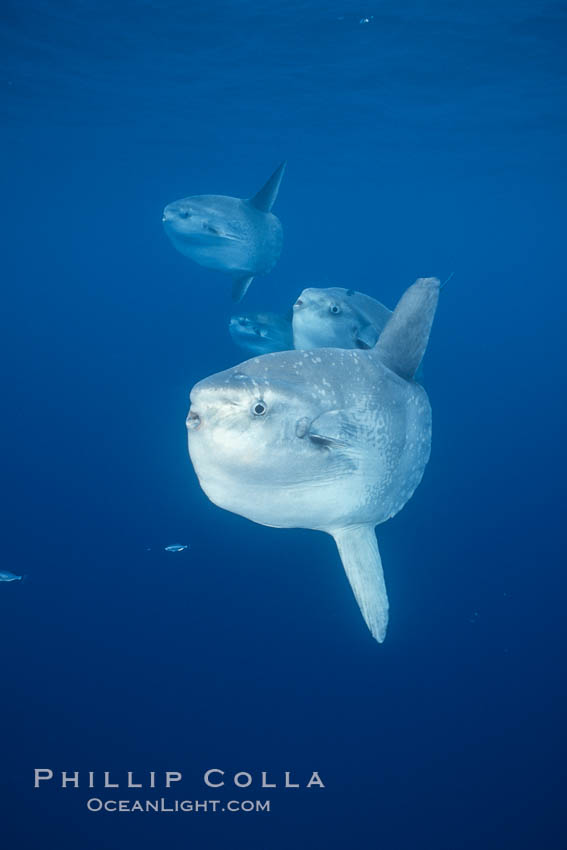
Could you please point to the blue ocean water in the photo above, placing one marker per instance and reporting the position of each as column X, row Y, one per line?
column 421, row 139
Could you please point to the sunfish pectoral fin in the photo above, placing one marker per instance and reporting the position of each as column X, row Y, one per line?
column 359, row 553
column 265, row 199
column 240, row 286
column 327, row 442
column 337, row 428
column 403, row 341
column 366, row 337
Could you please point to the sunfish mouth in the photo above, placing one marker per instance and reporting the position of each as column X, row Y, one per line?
column 193, row 421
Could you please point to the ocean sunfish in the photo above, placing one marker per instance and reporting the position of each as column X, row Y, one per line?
column 337, row 318
column 234, row 235
column 6, row 575
column 322, row 318
column 334, row 440
column 261, row 333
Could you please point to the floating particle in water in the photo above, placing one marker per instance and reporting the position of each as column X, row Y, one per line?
column 474, row 617
column 366, row 20
column 5, row 575
column 176, row 547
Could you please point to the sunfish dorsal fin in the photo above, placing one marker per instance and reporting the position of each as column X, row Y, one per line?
column 403, row 341
column 359, row 553
column 264, row 199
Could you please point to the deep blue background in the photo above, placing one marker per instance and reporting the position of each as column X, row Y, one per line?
column 431, row 139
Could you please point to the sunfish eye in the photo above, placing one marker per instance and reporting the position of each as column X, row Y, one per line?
column 334, row 308
column 183, row 214
column 259, row 408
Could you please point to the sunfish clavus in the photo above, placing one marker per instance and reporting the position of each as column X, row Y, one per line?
column 334, row 440
column 235, row 235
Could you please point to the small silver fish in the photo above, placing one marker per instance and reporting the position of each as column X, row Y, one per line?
column 5, row 575
column 176, row 547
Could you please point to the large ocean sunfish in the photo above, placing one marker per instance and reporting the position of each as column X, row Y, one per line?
column 334, row 440
column 337, row 318
column 239, row 236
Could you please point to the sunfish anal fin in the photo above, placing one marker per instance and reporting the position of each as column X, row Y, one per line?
column 359, row 553
column 265, row 199
column 403, row 341
column 240, row 286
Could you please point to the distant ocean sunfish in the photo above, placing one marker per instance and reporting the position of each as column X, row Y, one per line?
column 234, row 235
column 334, row 440
column 261, row 333
column 337, row 318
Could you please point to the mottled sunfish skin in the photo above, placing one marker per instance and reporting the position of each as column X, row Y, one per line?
column 235, row 235
column 5, row 575
column 334, row 440
column 261, row 333
column 337, row 318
